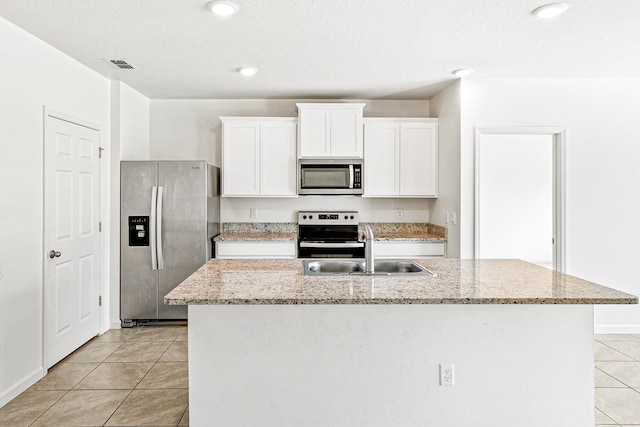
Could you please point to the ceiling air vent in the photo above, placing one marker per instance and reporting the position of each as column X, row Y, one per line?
column 123, row 64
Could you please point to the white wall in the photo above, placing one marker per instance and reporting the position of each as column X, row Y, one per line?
column 33, row 75
column 446, row 106
column 130, row 118
column 190, row 129
column 602, row 152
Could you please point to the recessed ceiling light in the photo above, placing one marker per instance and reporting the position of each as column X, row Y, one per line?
column 223, row 7
column 247, row 71
column 463, row 72
column 550, row 10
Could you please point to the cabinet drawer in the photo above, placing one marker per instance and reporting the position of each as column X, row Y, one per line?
column 409, row 249
column 255, row 249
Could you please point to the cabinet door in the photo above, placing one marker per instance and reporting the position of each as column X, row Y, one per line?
column 418, row 159
column 381, row 150
column 346, row 133
column 240, row 158
column 278, row 159
column 314, row 133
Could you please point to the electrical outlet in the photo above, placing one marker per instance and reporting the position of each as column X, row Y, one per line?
column 253, row 213
column 453, row 218
column 446, row 374
column 400, row 213
column 446, row 217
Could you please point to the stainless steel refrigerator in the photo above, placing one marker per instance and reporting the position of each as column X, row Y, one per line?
column 169, row 213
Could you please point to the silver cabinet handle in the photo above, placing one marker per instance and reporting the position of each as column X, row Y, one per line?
column 54, row 254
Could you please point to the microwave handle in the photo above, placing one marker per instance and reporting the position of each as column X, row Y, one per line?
column 350, row 176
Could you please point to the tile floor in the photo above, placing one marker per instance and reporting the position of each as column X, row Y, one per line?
column 617, row 380
column 126, row 377
column 139, row 377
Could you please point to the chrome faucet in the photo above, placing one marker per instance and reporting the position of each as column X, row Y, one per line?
column 369, row 261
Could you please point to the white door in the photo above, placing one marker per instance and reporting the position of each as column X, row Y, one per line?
column 71, row 237
column 278, row 163
column 240, row 158
column 515, row 197
column 381, row 150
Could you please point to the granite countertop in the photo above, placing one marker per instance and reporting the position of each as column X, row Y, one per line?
column 264, row 281
column 286, row 232
column 271, row 237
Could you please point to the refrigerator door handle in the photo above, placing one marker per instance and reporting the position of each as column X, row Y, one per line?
column 159, row 230
column 152, row 228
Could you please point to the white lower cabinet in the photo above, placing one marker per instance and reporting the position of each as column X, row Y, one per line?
column 259, row 157
column 405, row 249
column 400, row 157
column 255, row 249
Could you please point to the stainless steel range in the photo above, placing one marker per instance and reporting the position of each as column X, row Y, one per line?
column 329, row 234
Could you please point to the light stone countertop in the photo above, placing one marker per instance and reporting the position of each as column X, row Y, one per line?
column 256, row 237
column 266, row 281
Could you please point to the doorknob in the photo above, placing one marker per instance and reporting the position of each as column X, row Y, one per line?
column 54, row 254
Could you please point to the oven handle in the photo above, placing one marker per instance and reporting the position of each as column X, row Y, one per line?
column 331, row 245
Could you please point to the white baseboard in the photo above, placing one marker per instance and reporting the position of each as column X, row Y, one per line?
column 115, row 324
column 617, row 329
column 17, row 388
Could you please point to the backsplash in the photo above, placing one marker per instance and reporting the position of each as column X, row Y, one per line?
column 404, row 228
column 259, row 227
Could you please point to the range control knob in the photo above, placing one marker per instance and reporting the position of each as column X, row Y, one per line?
column 351, row 216
column 304, row 217
column 346, row 217
column 310, row 216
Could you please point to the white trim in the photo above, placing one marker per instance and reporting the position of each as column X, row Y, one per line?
column 20, row 386
column 72, row 119
column 558, row 134
column 617, row 329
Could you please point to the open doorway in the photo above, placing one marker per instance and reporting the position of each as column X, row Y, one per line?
column 518, row 195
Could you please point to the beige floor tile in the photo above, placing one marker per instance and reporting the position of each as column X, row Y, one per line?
column 116, row 335
column 93, row 352
column 183, row 337
column 65, row 375
column 151, row 407
column 603, row 420
column 630, row 348
column 605, row 380
column 177, row 352
column 82, row 408
column 157, row 333
column 605, row 353
column 113, row 376
column 625, row 372
column 166, row 375
column 138, row 351
column 28, row 406
column 620, row 404
column 184, row 421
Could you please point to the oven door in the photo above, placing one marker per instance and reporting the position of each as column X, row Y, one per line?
column 313, row 249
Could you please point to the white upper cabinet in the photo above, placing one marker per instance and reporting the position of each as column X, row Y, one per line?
column 259, row 157
column 330, row 130
column 400, row 157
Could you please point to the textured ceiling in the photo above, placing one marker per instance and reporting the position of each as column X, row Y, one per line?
column 351, row 49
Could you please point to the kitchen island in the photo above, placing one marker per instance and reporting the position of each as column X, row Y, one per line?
column 270, row 346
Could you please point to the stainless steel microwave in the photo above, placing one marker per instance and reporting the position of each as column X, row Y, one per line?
column 330, row 176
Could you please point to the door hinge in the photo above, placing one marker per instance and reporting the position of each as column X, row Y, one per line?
column 100, row 150
column 99, row 300
column 100, row 226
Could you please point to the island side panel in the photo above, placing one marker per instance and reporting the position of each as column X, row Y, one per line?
column 378, row 365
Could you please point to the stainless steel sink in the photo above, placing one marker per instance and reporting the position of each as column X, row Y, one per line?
column 383, row 267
